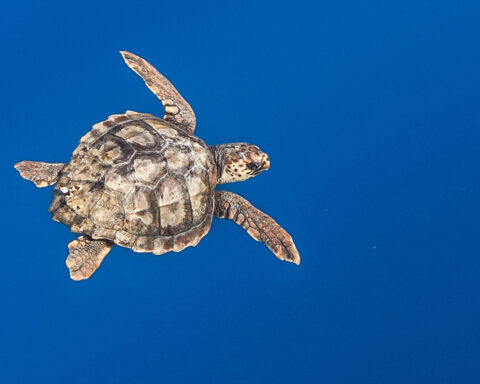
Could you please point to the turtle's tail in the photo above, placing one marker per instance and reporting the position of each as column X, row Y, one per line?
column 40, row 173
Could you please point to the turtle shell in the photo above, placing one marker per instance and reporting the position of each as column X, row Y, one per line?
column 139, row 181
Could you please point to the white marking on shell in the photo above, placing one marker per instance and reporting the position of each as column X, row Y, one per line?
column 171, row 202
column 140, row 202
column 201, row 156
column 123, row 184
column 146, row 217
column 108, row 213
column 196, row 184
column 139, row 215
column 172, row 214
column 198, row 206
column 130, row 131
column 146, row 140
column 135, row 134
column 163, row 128
column 170, row 191
column 110, row 152
column 197, row 188
column 177, row 160
column 79, row 202
column 148, row 170
column 169, row 132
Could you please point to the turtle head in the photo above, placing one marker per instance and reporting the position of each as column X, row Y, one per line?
column 238, row 161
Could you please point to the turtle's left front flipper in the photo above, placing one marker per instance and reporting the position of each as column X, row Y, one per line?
column 177, row 110
column 85, row 256
column 259, row 225
column 40, row 173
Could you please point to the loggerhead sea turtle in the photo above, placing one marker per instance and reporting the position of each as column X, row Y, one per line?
column 148, row 184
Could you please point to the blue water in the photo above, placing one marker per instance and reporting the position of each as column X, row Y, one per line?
column 369, row 111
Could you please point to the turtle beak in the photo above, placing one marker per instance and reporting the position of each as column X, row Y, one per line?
column 258, row 167
column 266, row 163
column 257, row 161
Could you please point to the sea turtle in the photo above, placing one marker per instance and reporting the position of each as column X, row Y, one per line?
column 148, row 184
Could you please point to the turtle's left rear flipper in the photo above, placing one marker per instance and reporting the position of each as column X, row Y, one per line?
column 40, row 173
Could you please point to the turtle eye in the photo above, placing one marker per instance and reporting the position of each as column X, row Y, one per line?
column 252, row 165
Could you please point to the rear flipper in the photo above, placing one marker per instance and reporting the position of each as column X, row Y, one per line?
column 85, row 256
column 40, row 173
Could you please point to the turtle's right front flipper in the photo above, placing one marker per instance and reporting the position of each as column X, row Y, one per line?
column 258, row 225
column 40, row 173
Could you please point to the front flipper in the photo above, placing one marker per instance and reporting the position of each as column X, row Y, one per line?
column 40, row 173
column 85, row 256
column 177, row 110
column 259, row 225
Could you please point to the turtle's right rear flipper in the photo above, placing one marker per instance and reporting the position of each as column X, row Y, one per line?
column 85, row 256
column 40, row 173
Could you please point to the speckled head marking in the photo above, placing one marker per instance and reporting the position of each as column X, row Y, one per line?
column 239, row 161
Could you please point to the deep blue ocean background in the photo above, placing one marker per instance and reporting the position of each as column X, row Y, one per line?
column 370, row 113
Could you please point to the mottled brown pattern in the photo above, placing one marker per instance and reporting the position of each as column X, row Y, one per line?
column 177, row 110
column 141, row 218
column 238, row 162
column 258, row 225
column 40, row 173
column 174, row 205
column 140, row 182
column 85, row 256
